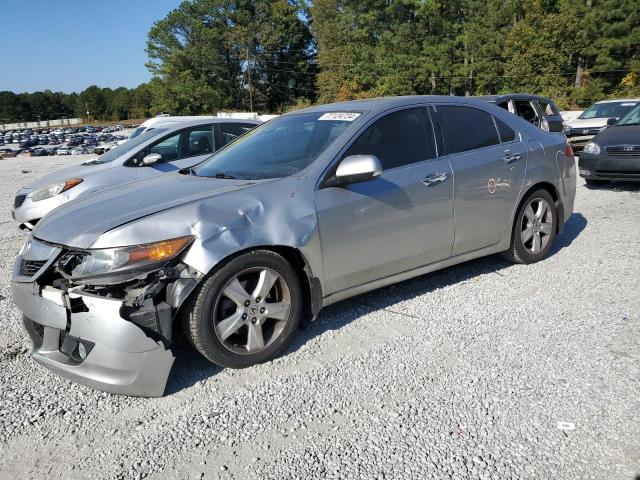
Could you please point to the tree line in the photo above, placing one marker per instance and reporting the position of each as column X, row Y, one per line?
column 272, row 56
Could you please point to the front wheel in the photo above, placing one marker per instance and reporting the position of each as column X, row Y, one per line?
column 246, row 311
column 534, row 229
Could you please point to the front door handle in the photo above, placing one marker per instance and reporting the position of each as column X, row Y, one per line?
column 434, row 178
column 511, row 157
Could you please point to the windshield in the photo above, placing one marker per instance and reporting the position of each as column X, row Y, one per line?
column 125, row 147
column 278, row 148
column 631, row 118
column 137, row 131
column 608, row 110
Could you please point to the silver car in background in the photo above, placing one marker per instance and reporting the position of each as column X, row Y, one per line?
column 163, row 148
column 308, row 209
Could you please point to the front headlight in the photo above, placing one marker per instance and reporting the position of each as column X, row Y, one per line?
column 54, row 189
column 114, row 260
column 593, row 148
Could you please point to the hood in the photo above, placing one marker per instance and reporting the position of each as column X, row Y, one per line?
column 619, row 135
column 587, row 122
column 81, row 222
column 79, row 171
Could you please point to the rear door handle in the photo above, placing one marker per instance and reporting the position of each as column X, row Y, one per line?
column 511, row 157
column 434, row 178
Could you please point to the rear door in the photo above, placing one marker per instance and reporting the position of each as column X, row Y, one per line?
column 489, row 164
column 398, row 221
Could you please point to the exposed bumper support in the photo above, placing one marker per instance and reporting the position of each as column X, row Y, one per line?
column 119, row 357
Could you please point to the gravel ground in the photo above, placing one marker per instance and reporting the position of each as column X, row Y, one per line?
column 484, row 370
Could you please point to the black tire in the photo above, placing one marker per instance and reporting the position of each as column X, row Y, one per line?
column 594, row 183
column 199, row 312
column 517, row 252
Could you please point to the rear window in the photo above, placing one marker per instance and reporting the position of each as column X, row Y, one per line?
column 506, row 132
column 467, row 128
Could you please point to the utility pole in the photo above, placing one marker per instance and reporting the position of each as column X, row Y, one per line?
column 249, row 81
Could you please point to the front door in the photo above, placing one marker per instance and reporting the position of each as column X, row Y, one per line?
column 489, row 164
column 182, row 149
column 398, row 221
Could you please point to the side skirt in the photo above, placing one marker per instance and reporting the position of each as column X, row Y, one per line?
column 415, row 272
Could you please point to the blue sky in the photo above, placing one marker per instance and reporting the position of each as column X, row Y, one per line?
column 67, row 45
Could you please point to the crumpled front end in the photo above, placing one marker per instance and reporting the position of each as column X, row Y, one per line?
column 114, row 337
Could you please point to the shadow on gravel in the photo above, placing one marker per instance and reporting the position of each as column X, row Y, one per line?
column 190, row 367
column 616, row 186
column 574, row 226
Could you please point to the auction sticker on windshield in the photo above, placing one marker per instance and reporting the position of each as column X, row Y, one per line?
column 343, row 116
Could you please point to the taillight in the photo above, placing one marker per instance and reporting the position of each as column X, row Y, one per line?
column 568, row 151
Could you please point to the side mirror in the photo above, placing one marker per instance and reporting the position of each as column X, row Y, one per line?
column 612, row 121
column 358, row 168
column 151, row 159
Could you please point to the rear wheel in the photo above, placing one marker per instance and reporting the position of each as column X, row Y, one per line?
column 246, row 311
column 534, row 230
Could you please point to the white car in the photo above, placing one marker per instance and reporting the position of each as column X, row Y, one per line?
column 596, row 118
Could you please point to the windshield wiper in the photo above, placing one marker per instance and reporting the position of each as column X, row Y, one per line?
column 224, row 175
column 186, row 171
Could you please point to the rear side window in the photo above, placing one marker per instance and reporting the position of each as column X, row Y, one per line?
column 506, row 132
column 467, row 128
column 504, row 104
column 398, row 139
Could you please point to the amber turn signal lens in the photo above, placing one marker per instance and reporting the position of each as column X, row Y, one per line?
column 155, row 252
column 72, row 182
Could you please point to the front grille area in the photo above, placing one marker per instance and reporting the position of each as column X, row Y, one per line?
column 585, row 131
column 623, row 150
column 19, row 200
column 28, row 268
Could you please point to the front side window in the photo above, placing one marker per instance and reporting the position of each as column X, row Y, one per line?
column 397, row 139
column 127, row 146
column 199, row 142
column 526, row 110
column 184, row 144
column 279, row 148
column 168, row 148
column 467, row 128
column 230, row 131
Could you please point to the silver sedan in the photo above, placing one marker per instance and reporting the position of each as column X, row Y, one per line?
column 308, row 209
column 167, row 147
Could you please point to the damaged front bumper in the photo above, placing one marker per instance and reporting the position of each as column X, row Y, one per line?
column 96, row 347
column 96, row 340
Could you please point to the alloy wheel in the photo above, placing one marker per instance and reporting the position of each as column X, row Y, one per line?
column 537, row 225
column 252, row 310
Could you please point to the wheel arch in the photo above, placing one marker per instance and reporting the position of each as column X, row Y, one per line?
column 310, row 285
column 553, row 191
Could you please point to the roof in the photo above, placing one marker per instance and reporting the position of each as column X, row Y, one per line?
column 204, row 121
column 385, row 103
column 616, row 100
column 509, row 96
